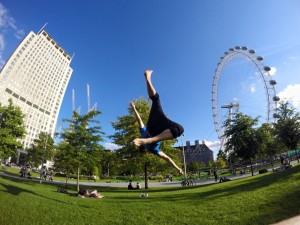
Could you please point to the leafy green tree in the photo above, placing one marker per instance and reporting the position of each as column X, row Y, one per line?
column 134, row 161
column 63, row 160
column 12, row 130
column 210, row 164
column 41, row 150
column 287, row 127
column 111, row 164
column 193, row 166
column 241, row 137
column 222, row 154
column 221, row 163
column 83, row 137
column 268, row 145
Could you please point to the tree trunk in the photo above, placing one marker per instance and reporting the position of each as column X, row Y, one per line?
column 146, row 175
column 251, row 167
column 271, row 160
column 67, row 176
column 77, row 178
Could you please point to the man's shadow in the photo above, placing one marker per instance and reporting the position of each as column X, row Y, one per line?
column 14, row 190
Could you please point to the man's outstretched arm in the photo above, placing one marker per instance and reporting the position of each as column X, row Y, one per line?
column 137, row 115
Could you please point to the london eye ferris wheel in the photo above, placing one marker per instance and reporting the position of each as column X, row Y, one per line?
column 242, row 83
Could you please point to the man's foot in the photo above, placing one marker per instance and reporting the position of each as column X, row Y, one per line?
column 132, row 104
column 147, row 74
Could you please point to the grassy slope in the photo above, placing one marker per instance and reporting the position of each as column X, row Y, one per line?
column 262, row 199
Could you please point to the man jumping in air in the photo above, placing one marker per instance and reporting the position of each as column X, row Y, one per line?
column 159, row 127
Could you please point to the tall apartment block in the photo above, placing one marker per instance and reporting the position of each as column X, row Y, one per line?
column 35, row 77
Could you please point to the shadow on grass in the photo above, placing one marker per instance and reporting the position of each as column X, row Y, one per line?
column 227, row 189
column 289, row 206
column 278, row 208
column 15, row 190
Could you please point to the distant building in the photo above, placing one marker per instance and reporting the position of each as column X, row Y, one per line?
column 35, row 77
column 198, row 152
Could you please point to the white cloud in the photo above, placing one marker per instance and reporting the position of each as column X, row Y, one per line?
column 111, row 146
column 273, row 71
column 292, row 94
column 7, row 23
column 252, row 88
column 214, row 146
column 2, row 46
column 19, row 34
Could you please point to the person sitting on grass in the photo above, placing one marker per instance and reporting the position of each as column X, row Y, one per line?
column 130, row 187
column 138, row 186
column 84, row 193
column 224, row 179
column 62, row 190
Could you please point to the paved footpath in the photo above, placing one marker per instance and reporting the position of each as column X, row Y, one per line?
column 124, row 184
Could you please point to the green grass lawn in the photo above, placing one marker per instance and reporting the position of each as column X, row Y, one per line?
column 262, row 199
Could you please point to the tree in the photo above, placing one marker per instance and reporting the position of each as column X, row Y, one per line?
column 135, row 162
column 83, row 137
column 12, row 130
column 41, row 150
column 287, row 127
column 241, row 137
column 210, row 164
column 220, row 162
column 193, row 166
column 268, row 145
column 63, row 160
column 222, row 154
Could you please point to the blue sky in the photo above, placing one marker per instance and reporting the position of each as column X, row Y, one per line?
column 182, row 41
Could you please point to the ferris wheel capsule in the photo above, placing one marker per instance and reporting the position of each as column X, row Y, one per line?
column 267, row 68
column 273, row 82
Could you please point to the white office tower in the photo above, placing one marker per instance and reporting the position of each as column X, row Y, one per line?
column 35, row 77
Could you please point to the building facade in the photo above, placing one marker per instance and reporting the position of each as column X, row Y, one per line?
column 198, row 153
column 35, row 77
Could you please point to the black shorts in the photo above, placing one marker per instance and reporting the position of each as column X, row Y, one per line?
column 158, row 122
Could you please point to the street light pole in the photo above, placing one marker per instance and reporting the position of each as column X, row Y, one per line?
column 183, row 157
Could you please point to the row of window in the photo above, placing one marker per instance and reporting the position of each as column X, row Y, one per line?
column 27, row 101
column 56, row 45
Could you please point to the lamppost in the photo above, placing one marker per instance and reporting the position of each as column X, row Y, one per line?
column 183, row 157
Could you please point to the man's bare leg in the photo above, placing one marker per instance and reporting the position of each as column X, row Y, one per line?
column 170, row 161
column 165, row 135
column 150, row 88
